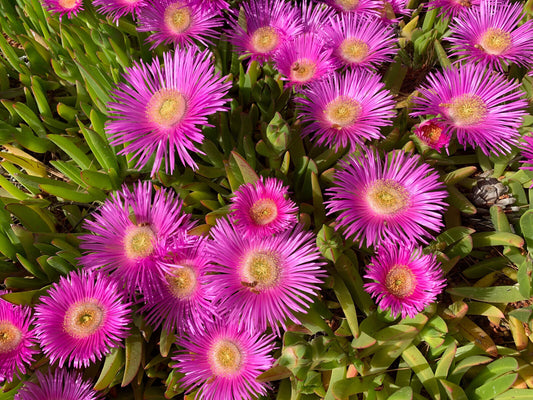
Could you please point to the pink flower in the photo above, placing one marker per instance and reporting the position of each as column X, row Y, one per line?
column 405, row 279
column 432, row 133
column 178, row 22
column 345, row 110
column 481, row 107
column 18, row 341
column 224, row 361
column 81, row 319
column 269, row 24
column 397, row 198
column 161, row 110
column 263, row 280
column 490, row 35
column 360, row 41
column 130, row 232
column 304, row 60
column 263, row 208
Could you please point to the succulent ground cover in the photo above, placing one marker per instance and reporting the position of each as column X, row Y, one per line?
column 266, row 199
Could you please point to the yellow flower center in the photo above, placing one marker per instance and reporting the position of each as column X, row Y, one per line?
column 182, row 281
column 400, row 281
column 347, row 5
column 302, row 70
column 353, row 50
column 166, row 107
column 225, row 358
column 263, row 211
column 342, row 112
column 178, row 17
column 84, row 318
column 10, row 337
column 387, row 197
column 265, row 39
column 68, row 4
column 495, row 41
column 139, row 242
column 261, row 270
column 467, row 110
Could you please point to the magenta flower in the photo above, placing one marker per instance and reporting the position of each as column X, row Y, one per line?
column 130, row 231
column 69, row 7
column 181, row 300
column 405, row 279
column 61, row 384
column 452, row 8
column 118, row 8
column 315, row 17
column 160, row 110
column 263, row 280
column 223, row 362
column 490, row 35
column 344, row 111
column 433, row 133
column 481, row 107
column 269, row 23
column 355, row 6
column 263, row 208
column 178, row 22
column 81, row 319
column 392, row 199
column 17, row 340
column 304, row 60
column 361, row 41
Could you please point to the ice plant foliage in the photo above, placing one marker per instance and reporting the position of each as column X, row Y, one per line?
column 263, row 208
column 345, row 110
column 404, row 279
column 224, row 361
column 269, row 24
column 264, row 280
column 129, row 231
column 482, row 108
column 178, row 22
column 180, row 299
column 81, row 319
column 70, row 8
column 490, row 36
column 304, row 60
column 433, row 133
column 17, row 340
column 396, row 198
column 118, row 8
column 159, row 111
column 61, row 384
column 360, row 41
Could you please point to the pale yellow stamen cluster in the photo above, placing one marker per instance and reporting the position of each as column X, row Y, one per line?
column 264, row 39
column 263, row 211
column 387, row 197
column 400, row 281
column 178, row 17
column 302, row 70
column 261, row 270
column 225, row 358
column 166, row 107
column 82, row 319
column 342, row 112
column 182, row 281
column 495, row 41
column 139, row 242
column 10, row 337
column 354, row 50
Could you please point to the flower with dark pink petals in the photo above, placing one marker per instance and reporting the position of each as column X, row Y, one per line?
column 61, row 384
column 404, row 279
